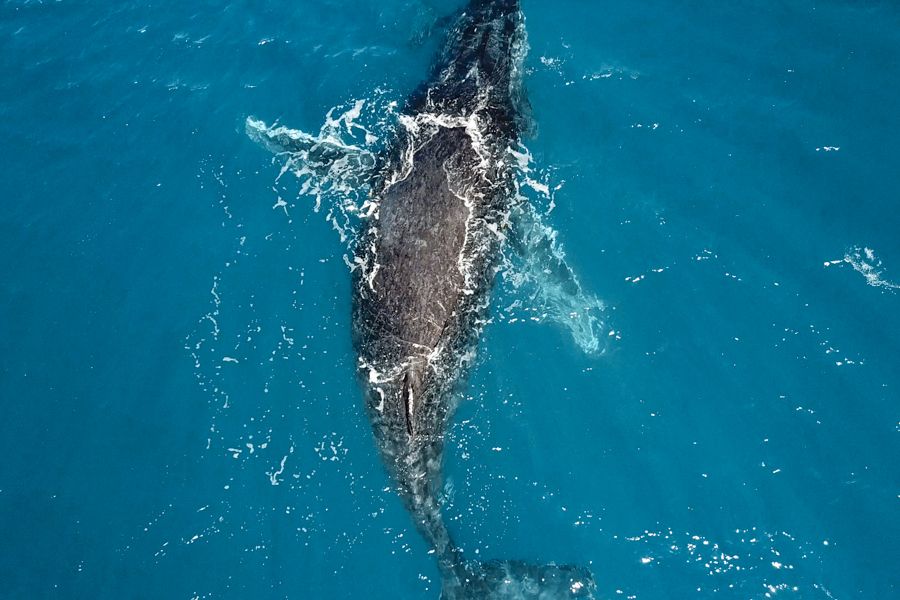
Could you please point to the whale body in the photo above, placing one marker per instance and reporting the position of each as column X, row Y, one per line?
column 427, row 256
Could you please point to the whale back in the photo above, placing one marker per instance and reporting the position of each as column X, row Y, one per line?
column 417, row 302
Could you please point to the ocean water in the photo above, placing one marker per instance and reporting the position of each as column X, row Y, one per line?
column 179, row 411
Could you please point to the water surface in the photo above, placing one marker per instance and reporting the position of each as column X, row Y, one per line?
column 180, row 417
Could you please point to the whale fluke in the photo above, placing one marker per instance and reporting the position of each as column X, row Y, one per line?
column 517, row 580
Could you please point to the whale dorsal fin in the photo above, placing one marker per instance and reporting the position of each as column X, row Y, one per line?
column 409, row 402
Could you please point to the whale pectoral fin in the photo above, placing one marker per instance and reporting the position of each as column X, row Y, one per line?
column 282, row 140
column 335, row 166
column 275, row 138
column 536, row 266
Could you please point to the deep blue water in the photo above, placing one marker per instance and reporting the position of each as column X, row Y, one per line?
column 179, row 414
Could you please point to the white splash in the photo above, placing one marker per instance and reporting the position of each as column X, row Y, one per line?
column 866, row 263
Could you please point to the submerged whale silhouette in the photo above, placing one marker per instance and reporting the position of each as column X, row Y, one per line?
column 438, row 213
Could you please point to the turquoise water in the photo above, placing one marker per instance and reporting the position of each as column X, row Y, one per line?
column 180, row 413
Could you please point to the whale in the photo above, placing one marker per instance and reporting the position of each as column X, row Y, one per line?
column 429, row 257
column 439, row 210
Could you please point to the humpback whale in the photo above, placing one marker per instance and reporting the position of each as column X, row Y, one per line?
column 438, row 211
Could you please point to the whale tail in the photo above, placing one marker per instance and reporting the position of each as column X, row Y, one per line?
column 517, row 580
column 464, row 579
